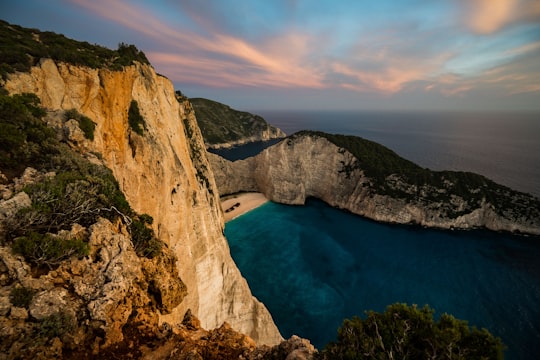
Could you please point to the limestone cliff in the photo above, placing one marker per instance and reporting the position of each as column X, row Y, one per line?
column 163, row 173
column 311, row 165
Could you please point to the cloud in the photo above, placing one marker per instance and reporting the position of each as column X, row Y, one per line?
column 489, row 16
column 216, row 59
column 397, row 56
column 520, row 76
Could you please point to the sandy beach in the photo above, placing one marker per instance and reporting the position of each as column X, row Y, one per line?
column 238, row 204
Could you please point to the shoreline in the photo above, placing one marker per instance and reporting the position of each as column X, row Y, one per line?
column 236, row 205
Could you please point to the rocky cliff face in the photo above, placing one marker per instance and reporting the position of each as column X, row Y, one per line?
column 163, row 173
column 310, row 165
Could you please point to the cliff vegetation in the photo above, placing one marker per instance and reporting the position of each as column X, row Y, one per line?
column 222, row 126
column 22, row 48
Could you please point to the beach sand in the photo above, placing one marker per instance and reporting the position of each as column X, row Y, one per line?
column 238, row 204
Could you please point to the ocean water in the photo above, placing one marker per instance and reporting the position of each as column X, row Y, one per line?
column 314, row 265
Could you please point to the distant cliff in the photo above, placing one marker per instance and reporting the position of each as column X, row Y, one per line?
column 370, row 180
column 224, row 127
column 154, row 148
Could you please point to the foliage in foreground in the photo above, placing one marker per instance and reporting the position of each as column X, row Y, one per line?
column 409, row 332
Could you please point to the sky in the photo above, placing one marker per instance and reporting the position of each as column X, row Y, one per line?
column 396, row 55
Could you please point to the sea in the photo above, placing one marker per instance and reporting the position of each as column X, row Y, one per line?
column 314, row 265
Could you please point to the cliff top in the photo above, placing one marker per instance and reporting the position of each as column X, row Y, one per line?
column 22, row 48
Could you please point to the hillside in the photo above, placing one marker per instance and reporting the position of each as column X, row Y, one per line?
column 223, row 126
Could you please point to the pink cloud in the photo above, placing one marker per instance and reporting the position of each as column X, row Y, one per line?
column 489, row 16
column 216, row 59
column 382, row 63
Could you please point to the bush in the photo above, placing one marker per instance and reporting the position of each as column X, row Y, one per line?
column 25, row 140
column 85, row 124
column 56, row 325
column 409, row 332
column 143, row 237
column 48, row 249
column 21, row 296
column 135, row 119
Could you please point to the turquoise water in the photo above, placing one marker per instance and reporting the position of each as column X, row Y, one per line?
column 313, row 266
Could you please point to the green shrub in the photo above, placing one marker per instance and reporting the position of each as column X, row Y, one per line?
column 85, row 123
column 407, row 332
column 48, row 249
column 135, row 119
column 21, row 296
column 143, row 237
column 25, row 140
column 56, row 325
column 22, row 48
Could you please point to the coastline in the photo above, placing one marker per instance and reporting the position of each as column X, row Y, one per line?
column 238, row 204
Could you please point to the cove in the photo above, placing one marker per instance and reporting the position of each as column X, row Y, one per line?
column 314, row 265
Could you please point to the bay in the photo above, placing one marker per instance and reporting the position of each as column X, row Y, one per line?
column 314, row 265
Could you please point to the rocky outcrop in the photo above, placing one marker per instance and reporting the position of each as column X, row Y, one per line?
column 84, row 303
column 163, row 173
column 190, row 341
column 311, row 166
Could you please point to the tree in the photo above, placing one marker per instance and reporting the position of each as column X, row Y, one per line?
column 409, row 332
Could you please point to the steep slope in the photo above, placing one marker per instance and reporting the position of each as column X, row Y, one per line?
column 224, row 127
column 370, row 180
column 163, row 173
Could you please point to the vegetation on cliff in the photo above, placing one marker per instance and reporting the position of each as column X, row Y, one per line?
column 23, row 48
column 220, row 124
column 408, row 332
column 135, row 119
column 397, row 177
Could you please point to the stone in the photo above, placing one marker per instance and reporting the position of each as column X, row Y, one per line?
column 5, row 304
column 9, row 207
column 18, row 313
column 47, row 303
column 190, row 321
column 12, row 267
column 73, row 132
column 29, row 176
